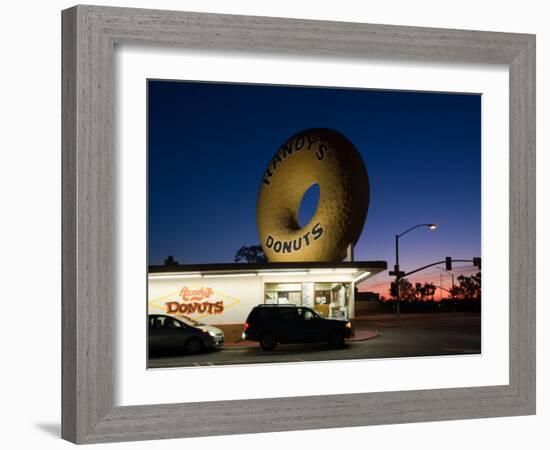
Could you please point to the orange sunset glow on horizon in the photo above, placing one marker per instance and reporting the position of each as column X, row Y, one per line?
column 381, row 284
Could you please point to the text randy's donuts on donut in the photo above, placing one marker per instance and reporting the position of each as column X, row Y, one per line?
column 316, row 156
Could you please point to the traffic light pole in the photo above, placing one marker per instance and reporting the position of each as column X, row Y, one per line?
column 435, row 264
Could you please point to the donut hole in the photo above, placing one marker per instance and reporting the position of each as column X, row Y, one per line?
column 308, row 205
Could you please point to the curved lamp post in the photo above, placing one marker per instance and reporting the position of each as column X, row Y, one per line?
column 397, row 273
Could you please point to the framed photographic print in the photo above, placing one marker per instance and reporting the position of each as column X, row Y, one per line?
column 291, row 215
column 307, row 222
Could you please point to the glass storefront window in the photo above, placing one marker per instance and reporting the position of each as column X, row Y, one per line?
column 283, row 293
column 330, row 299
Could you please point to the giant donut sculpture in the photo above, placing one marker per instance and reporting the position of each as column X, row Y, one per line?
column 315, row 156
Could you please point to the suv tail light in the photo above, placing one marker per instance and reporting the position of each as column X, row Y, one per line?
column 246, row 325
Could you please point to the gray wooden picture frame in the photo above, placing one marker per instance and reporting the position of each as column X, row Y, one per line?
column 89, row 37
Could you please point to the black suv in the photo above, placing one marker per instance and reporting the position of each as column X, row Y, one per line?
column 289, row 324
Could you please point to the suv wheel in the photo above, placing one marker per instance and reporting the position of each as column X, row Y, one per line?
column 268, row 342
column 194, row 346
column 336, row 339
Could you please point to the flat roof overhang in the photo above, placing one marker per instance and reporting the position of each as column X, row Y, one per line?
column 357, row 270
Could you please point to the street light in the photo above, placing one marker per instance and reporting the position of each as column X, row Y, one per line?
column 397, row 273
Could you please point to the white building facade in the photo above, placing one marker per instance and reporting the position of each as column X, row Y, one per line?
column 223, row 295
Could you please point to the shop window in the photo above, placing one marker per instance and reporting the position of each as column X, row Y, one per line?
column 283, row 294
column 331, row 299
column 270, row 298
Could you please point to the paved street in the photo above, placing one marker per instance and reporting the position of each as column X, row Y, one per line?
column 417, row 335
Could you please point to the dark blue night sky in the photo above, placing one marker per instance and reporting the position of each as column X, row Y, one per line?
column 209, row 145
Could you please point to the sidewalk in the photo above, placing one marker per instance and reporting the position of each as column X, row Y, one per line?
column 363, row 335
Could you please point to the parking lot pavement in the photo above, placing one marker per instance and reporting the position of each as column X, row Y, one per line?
column 416, row 335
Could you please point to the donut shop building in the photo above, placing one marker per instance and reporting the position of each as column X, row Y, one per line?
column 224, row 294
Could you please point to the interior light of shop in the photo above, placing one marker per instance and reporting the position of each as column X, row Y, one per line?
column 361, row 277
column 176, row 276
column 230, row 275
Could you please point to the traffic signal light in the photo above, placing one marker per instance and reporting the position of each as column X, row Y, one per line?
column 448, row 263
column 393, row 289
column 477, row 262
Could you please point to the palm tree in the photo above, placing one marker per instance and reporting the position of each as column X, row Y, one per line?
column 430, row 290
column 424, row 291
